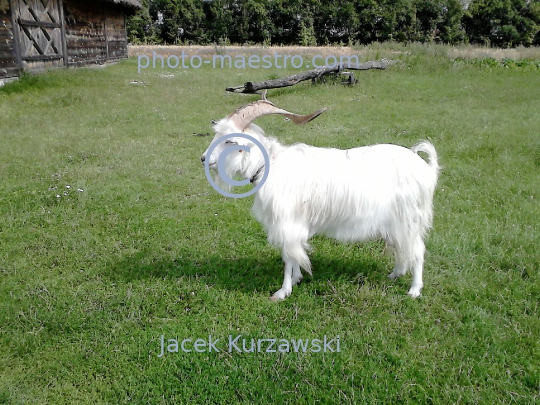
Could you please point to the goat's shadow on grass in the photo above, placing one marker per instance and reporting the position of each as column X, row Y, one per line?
column 246, row 274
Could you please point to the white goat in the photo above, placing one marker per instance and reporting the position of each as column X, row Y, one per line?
column 360, row 194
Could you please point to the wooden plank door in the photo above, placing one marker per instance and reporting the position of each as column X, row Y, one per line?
column 40, row 33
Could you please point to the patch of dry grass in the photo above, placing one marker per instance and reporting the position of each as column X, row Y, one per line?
column 374, row 51
column 479, row 52
column 234, row 50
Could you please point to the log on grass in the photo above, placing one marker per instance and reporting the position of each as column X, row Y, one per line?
column 253, row 87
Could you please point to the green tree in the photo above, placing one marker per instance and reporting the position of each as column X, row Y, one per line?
column 439, row 21
column 396, row 20
column 140, row 27
column 450, row 28
column 180, row 20
column 286, row 16
column 220, row 21
column 253, row 23
column 335, row 22
column 497, row 22
column 503, row 23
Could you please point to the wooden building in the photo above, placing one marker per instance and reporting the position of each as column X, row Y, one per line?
column 41, row 34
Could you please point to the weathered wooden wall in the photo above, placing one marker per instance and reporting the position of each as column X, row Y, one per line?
column 95, row 33
column 38, row 32
column 116, row 35
column 89, row 32
column 8, row 54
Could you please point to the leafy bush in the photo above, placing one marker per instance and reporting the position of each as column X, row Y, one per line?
column 503, row 23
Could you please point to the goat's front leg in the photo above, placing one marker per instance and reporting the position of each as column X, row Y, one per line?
column 286, row 288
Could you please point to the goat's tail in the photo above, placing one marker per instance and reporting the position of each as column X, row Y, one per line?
column 429, row 149
column 426, row 203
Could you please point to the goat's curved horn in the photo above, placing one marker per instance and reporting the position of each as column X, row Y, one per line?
column 243, row 116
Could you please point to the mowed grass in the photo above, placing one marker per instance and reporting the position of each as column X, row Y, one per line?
column 111, row 236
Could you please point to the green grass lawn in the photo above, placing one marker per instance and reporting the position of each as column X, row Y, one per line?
column 111, row 236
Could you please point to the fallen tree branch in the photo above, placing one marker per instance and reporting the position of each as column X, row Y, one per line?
column 251, row 87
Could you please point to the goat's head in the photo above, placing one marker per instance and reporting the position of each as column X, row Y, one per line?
column 241, row 122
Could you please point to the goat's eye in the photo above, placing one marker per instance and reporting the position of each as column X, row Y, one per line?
column 229, row 142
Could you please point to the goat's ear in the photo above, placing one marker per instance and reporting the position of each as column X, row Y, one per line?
column 214, row 122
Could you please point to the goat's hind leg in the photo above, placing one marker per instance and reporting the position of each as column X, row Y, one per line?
column 417, row 267
column 292, row 276
column 297, row 274
column 410, row 256
column 399, row 270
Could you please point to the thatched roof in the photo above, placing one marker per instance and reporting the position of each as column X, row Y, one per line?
column 132, row 4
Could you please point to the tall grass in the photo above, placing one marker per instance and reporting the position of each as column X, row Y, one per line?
column 375, row 51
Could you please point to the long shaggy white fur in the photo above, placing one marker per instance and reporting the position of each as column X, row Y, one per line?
column 380, row 191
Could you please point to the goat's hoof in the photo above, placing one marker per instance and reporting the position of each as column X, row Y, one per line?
column 413, row 293
column 396, row 273
column 280, row 295
column 296, row 281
